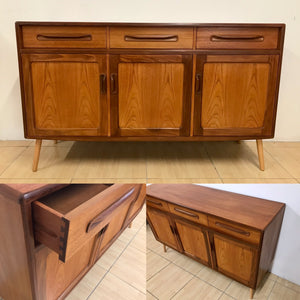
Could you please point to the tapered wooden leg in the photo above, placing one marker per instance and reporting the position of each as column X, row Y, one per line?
column 55, row 141
column 260, row 152
column 129, row 226
column 165, row 248
column 37, row 150
column 238, row 142
column 251, row 293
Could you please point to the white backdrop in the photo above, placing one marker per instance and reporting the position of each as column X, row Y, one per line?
column 256, row 11
column 287, row 258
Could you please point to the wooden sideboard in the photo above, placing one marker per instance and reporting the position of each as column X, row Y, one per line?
column 149, row 82
column 52, row 234
column 231, row 233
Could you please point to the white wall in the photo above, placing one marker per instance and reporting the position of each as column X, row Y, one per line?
column 267, row 11
column 287, row 258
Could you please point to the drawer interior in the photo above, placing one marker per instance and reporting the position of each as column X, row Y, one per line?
column 70, row 197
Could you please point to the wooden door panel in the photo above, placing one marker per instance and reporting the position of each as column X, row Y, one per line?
column 63, row 95
column 235, row 259
column 193, row 241
column 234, row 95
column 161, row 227
column 55, row 85
column 150, row 95
column 54, row 276
column 237, row 95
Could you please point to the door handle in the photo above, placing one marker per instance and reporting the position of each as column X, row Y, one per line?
column 198, row 83
column 103, row 84
column 113, row 83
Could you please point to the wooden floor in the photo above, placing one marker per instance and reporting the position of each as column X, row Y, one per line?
column 150, row 162
column 172, row 275
column 121, row 272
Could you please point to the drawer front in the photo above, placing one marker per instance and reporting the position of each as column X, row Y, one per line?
column 188, row 214
column 237, row 38
column 65, row 233
column 239, row 231
column 157, row 203
column 64, row 37
column 151, row 37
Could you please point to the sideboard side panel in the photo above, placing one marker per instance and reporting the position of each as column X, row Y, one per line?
column 14, row 268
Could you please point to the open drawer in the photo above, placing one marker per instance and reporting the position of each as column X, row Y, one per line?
column 67, row 219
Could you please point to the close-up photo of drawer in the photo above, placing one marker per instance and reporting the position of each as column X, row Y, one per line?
column 64, row 231
column 64, row 36
column 151, row 37
column 70, row 217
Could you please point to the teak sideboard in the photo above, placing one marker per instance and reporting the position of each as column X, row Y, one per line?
column 51, row 235
column 231, row 233
column 149, row 82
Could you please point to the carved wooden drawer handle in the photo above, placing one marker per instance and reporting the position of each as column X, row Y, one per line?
column 186, row 212
column 105, row 213
column 154, row 202
column 151, row 38
column 64, row 37
column 233, row 38
column 240, row 231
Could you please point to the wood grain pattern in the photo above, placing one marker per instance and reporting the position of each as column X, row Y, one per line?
column 193, row 241
column 150, row 95
column 54, row 275
column 237, row 38
column 154, row 35
column 56, row 33
column 234, row 258
column 234, row 95
column 57, row 85
column 162, row 227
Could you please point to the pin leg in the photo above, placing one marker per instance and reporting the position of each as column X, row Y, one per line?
column 165, row 248
column 36, row 157
column 251, row 293
column 260, row 151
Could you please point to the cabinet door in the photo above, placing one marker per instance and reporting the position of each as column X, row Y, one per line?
column 193, row 240
column 235, row 259
column 162, row 228
column 65, row 94
column 53, row 277
column 150, row 95
column 236, row 95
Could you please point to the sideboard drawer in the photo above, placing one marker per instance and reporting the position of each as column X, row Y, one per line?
column 242, row 232
column 157, row 203
column 237, row 38
column 67, row 219
column 64, row 37
column 151, row 37
column 188, row 214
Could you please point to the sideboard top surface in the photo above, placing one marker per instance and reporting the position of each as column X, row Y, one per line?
column 147, row 24
column 249, row 211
